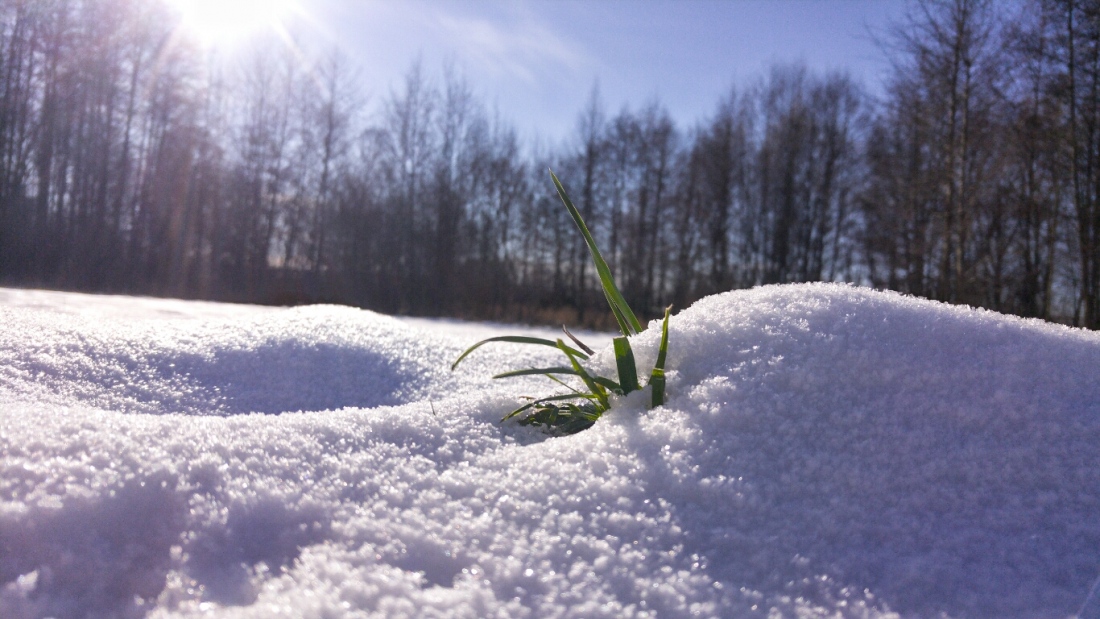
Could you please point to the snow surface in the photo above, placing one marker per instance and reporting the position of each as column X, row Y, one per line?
column 826, row 451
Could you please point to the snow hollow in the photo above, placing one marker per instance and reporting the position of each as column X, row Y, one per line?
column 826, row 451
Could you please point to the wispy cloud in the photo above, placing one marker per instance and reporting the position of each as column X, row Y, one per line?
column 516, row 45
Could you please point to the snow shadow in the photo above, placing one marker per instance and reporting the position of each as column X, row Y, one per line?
column 102, row 555
column 267, row 534
column 278, row 377
column 275, row 377
column 108, row 555
column 947, row 530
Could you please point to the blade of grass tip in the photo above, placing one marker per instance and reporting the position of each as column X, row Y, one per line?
column 576, row 341
column 624, row 361
column 614, row 297
column 514, row 339
column 657, row 378
column 593, row 387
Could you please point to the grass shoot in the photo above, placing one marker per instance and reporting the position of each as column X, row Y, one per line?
column 579, row 408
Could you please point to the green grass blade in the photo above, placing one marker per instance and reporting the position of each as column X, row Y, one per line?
column 628, row 322
column 657, row 378
column 568, row 413
column 657, row 388
column 595, row 388
column 515, row 339
column 620, row 317
column 537, row 371
column 662, row 352
column 624, row 361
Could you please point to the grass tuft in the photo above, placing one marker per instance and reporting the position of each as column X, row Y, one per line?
column 569, row 413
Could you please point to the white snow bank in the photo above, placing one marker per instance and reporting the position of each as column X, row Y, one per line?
column 825, row 451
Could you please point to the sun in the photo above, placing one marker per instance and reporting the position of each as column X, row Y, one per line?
column 218, row 23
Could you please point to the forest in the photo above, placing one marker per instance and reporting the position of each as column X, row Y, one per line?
column 130, row 162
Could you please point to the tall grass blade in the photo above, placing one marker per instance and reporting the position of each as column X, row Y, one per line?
column 657, row 378
column 517, row 339
column 628, row 322
column 624, row 361
column 620, row 317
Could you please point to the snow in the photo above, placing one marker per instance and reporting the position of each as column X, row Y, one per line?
column 826, row 451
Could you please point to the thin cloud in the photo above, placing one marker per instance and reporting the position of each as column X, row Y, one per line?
column 517, row 48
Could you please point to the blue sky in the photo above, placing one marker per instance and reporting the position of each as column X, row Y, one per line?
column 537, row 61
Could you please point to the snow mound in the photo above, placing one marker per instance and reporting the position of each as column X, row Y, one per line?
column 157, row 356
column 826, row 451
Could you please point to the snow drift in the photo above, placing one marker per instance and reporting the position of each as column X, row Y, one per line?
column 825, row 451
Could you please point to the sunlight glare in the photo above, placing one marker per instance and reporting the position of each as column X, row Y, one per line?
column 222, row 22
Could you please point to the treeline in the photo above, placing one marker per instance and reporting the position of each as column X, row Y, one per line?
column 130, row 162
